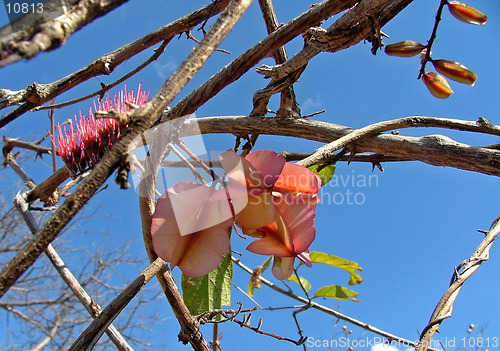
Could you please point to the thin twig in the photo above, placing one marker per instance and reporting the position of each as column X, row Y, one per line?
column 258, row 330
column 327, row 310
column 190, row 36
column 106, row 87
column 428, row 47
column 86, row 300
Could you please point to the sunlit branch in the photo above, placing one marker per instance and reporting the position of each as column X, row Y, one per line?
column 461, row 273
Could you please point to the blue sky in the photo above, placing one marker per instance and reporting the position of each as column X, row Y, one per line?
column 416, row 221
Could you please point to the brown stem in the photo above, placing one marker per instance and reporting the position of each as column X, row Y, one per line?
column 428, row 47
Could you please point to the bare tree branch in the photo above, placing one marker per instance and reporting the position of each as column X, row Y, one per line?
column 436, row 150
column 88, row 339
column 325, row 152
column 461, row 273
column 90, row 305
column 43, row 34
column 38, row 94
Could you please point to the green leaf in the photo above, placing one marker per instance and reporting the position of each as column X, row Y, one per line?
column 211, row 291
column 346, row 265
column 336, row 292
column 326, row 173
column 303, row 281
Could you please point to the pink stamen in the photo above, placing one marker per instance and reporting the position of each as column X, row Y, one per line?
column 82, row 148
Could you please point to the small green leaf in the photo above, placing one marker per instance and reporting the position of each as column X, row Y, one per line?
column 211, row 291
column 336, row 292
column 267, row 263
column 303, row 281
column 326, row 173
column 346, row 265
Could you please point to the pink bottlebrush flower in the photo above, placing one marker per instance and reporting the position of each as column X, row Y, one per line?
column 87, row 139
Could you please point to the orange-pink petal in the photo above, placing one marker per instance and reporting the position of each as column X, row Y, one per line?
column 292, row 231
column 258, row 212
column 297, row 179
column 268, row 163
column 249, row 194
column 283, row 267
column 196, row 253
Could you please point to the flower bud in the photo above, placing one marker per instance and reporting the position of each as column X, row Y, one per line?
column 466, row 13
column 407, row 48
column 437, row 85
column 455, row 71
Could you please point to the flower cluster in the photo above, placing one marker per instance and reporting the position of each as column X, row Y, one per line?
column 437, row 85
column 86, row 140
column 268, row 198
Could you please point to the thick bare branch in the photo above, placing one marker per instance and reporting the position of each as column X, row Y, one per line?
column 436, row 150
column 142, row 119
column 325, row 152
column 38, row 94
column 39, row 36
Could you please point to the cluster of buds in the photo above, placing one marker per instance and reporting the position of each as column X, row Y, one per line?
column 437, row 85
column 87, row 139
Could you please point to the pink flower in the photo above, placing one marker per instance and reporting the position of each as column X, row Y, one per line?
column 88, row 138
column 288, row 193
column 188, row 230
column 268, row 198
column 288, row 236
